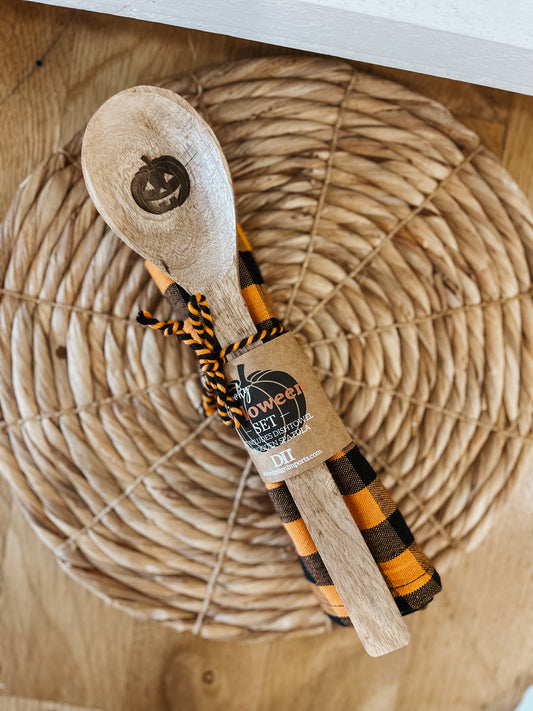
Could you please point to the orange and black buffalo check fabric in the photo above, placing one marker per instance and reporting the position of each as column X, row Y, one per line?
column 410, row 576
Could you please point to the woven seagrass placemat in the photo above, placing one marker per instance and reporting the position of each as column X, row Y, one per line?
column 395, row 246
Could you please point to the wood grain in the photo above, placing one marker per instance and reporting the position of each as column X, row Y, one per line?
column 518, row 151
column 18, row 703
column 471, row 650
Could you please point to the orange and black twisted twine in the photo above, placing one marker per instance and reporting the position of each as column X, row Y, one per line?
column 197, row 333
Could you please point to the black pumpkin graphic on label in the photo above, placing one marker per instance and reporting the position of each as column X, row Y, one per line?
column 160, row 185
column 274, row 403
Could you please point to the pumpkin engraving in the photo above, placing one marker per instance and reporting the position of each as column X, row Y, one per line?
column 274, row 403
column 160, row 185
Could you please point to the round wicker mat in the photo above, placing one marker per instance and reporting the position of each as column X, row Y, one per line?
column 398, row 249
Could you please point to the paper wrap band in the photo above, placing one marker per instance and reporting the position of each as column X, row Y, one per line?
column 291, row 425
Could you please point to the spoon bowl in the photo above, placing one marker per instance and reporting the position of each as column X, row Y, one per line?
column 158, row 176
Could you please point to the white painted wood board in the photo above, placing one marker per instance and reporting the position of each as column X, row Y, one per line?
column 488, row 42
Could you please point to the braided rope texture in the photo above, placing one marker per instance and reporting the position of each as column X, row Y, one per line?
column 197, row 333
column 395, row 246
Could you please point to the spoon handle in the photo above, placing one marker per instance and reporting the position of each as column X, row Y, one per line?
column 352, row 568
column 339, row 541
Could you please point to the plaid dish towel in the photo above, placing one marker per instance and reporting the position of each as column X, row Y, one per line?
column 409, row 575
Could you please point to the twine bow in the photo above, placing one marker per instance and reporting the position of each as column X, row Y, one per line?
column 197, row 333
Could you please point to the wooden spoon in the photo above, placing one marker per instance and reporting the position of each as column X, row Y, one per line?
column 136, row 137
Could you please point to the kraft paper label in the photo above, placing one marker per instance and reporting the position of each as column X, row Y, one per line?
column 290, row 423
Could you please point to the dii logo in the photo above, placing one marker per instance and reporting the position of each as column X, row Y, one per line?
column 283, row 457
column 274, row 404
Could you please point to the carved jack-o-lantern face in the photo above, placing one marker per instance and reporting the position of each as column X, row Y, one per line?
column 160, row 185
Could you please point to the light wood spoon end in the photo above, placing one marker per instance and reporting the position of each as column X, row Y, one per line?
column 124, row 149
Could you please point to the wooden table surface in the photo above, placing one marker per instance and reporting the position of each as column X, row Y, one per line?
column 472, row 649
